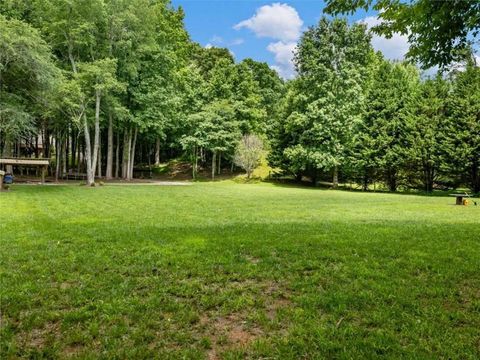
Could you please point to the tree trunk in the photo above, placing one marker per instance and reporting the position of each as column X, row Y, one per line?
column 108, row 174
column 73, row 143
column 365, row 180
column 392, row 180
column 57, row 157
column 475, row 173
column 213, row 165
column 79, row 157
column 117, row 156
column 132, row 155
column 88, row 153
column 429, row 176
column 96, row 144
column 64, row 154
column 7, row 152
column 36, row 146
column 219, row 168
column 194, row 162
column 99, row 162
column 157, row 152
column 335, row 177
column 46, row 143
column 126, row 155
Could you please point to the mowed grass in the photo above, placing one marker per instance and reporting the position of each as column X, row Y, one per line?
column 234, row 271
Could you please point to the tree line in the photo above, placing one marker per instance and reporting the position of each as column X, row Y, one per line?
column 103, row 86
column 352, row 114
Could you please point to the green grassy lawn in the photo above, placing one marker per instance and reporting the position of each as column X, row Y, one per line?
column 233, row 271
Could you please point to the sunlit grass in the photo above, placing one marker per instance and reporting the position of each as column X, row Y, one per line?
column 225, row 270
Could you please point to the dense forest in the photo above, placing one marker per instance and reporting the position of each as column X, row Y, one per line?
column 103, row 86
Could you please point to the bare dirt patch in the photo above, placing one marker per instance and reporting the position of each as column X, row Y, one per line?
column 72, row 350
column 278, row 298
column 252, row 260
column 275, row 305
column 227, row 332
column 234, row 327
column 236, row 330
column 38, row 337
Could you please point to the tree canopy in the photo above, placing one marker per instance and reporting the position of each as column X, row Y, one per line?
column 104, row 88
column 439, row 32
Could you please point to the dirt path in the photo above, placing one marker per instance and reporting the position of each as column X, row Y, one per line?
column 153, row 183
column 130, row 183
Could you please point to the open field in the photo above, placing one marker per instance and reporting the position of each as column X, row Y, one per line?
column 231, row 271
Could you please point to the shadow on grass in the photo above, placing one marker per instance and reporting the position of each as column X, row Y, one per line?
column 287, row 183
column 111, row 289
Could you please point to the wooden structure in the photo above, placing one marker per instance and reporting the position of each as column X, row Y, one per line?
column 2, row 174
column 43, row 163
column 459, row 198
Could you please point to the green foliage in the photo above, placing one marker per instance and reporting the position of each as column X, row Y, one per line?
column 134, row 82
column 27, row 75
column 428, row 131
column 439, row 32
column 382, row 141
column 328, row 97
column 463, row 129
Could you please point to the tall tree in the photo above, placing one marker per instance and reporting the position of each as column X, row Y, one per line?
column 426, row 130
column 463, row 138
column 27, row 74
column 96, row 79
column 331, row 62
column 385, row 125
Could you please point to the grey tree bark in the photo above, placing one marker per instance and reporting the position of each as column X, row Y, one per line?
column 64, row 153
column 96, row 140
column 108, row 173
column 99, row 162
column 126, row 154
column 7, row 152
column 58, row 156
column 132, row 154
column 88, row 153
column 335, row 177
column 157, row 152
column 117, row 156
column 213, row 165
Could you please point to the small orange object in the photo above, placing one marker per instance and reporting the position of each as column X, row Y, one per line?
column 465, row 202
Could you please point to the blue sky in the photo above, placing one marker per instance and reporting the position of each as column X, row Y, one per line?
column 266, row 30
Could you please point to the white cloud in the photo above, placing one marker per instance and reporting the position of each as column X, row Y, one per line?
column 238, row 41
column 208, row 46
column 280, row 22
column 394, row 48
column 216, row 39
column 277, row 21
column 283, row 53
column 461, row 65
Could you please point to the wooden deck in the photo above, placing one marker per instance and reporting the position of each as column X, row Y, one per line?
column 27, row 162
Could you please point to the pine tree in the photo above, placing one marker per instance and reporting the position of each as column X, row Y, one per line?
column 426, row 130
column 385, row 124
column 463, row 137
